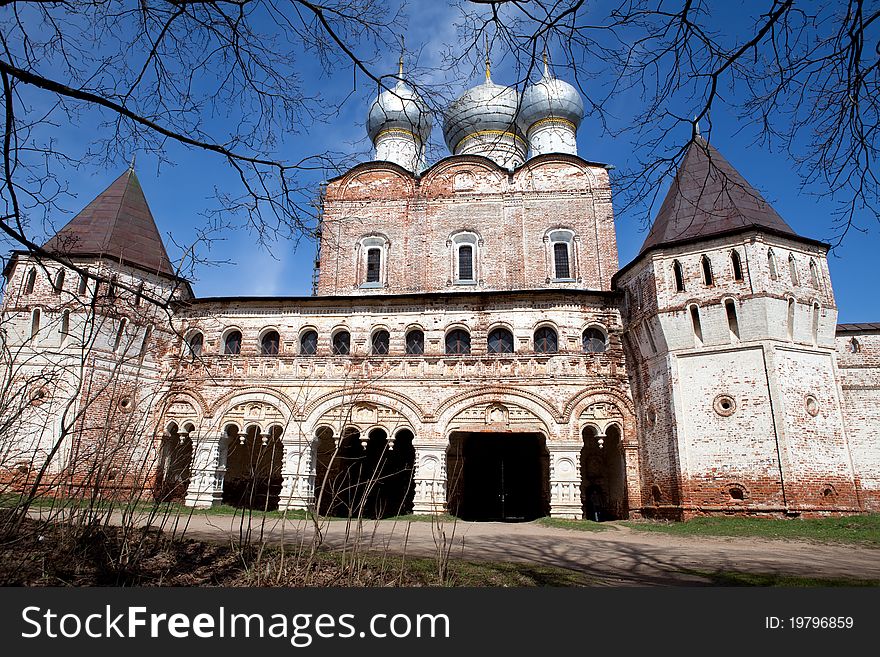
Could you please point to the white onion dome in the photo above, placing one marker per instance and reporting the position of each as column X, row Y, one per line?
column 550, row 98
column 488, row 108
column 399, row 108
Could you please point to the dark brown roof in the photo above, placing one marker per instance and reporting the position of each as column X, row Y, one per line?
column 857, row 328
column 118, row 224
column 709, row 197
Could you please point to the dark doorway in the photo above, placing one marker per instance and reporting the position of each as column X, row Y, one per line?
column 253, row 468
column 175, row 458
column 498, row 476
column 603, row 476
column 370, row 478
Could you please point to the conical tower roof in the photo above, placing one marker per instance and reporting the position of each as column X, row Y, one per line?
column 709, row 197
column 118, row 224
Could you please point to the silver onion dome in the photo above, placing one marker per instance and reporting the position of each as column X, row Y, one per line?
column 550, row 97
column 486, row 107
column 399, row 108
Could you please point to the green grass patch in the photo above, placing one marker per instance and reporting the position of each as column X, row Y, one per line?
column 734, row 578
column 578, row 525
column 862, row 529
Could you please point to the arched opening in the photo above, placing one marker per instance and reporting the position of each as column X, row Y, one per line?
column 793, row 270
column 594, row 340
column 175, row 460
column 308, row 343
column 194, row 343
column 253, row 468
column 498, row 476
column 35, row 323
column 458, row 342
column 30, row 281
column 83, row 284
column 64, row 329
column 815, row 326
column 341, row 343
column 771, row 265
column 603, row 475
column 790, row 319
column 736, row 264
column 678, row 274
column 500, row 341
column 120, row 334
column 546, row 340
column 706, row 267
column 697, row 326
column 58, row 285
column 854, row 346
column 270, row 343
column 732, row 321
column 380, row 343
column 415, row 342
column 232, row 343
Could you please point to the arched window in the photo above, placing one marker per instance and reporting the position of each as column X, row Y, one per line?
column 120, row 333
column 816, row 311
column 500, row 341
column 732, row 321
column 138, row 295
column 678, row 273
column 814, row 274
column 697, row 326
column 771, row 264
column 706, row 266
column 308, row 343
column 381, row 342
column 650, row 333
column 736, row 263
column 58, row 285
column 546, row 341
column 854, row 346
column 83, row 284
column 30, row 281
column 232, row 343
column 35, row 323
column 458, row 341
column 342, row 343
column 111, row 289
column 790, row 319
column 465, row 258
column 594, row 340
column 415, row 342
column 562, row 254
column 270, row 343
column 64, row 329
column 146, row 341
column 793, row 270
column 195, row 343
column 374, row 262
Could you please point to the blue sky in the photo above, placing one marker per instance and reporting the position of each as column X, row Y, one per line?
column 179, row 194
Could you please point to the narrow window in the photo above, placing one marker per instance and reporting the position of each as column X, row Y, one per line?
column 146, row 341
column 697, row 326
column 736, row 263
column 111, row 289
column 815, row 324
column 120, row 333
column 650, row 335
column 771, row 264
column 732, row 321
column 465, row 262
column 792, row 268
column 342, row 343
column 415, row 342
column 374, row 260
column 64, row 330
column 138, row 295
column 707, row 270
column 58, row 285
column 594, row 340
column 814, row 274
column 500, row 341
column 35, row 323
column 458, row 341
column 30, row 281
column 381, row 342
column 679, row 276
column 308, row 343
column 790, row 319
column 270, row 344
column 561, row 261
column 83, row 284
column 854, row 346
column 232, row 343
column 195, row 343
column 546, row 341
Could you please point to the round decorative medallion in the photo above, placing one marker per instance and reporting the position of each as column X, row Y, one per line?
column 126, row 404
column 724, row 405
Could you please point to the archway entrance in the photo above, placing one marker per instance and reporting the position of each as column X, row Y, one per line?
column 253, row 468
column 603, row 475
column 369, row 477
column 498, row 476
column 175, row 459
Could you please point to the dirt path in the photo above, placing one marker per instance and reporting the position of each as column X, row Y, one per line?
column 617, row 556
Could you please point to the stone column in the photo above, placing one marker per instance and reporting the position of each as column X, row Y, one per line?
column 298, row 476
column 207, row 472
column 429, row 479
column 565, row 480
column 633, row 480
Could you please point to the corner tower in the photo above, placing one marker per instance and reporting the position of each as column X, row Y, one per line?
column 730, row 321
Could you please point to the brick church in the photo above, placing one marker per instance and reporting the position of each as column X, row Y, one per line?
column 472, row 346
